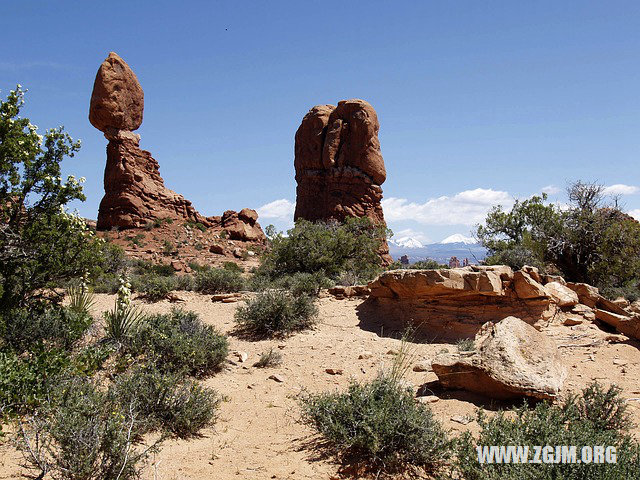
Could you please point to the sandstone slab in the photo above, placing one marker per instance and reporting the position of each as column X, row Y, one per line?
column 512, row 360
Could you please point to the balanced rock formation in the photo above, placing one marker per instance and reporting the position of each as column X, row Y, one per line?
column 135, row 193
column 511, row 360
column 339, row 165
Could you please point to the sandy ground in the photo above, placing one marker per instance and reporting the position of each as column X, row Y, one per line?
column 258, row 434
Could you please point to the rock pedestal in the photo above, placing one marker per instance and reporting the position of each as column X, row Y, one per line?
column 135, row 193
column 339, row 166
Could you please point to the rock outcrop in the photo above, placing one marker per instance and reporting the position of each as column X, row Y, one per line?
column 454, row 303
column 339, row 165
column 451, row 304
column 135, row 193
column 511, row 360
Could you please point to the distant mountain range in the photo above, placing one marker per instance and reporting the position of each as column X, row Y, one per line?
column 456, row 245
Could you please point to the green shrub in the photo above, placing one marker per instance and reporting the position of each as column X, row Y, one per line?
column 25, row 380
column 154, row 287
column 122, row 322
column 276, row 313
column 217, row 280
column 331, row 249
column 466, row 345
column 41, row 324
column 106, row 283
column 166, row 401
column 179, row 341
column 272, row 358
column 185, row 282
column 380, row 423
column 82, row 435
column 302, row 283
column 596, row 417
column 232, row 267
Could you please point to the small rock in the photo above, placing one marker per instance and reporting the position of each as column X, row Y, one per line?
column 241, row 356
column 617, row 361
column 428, row 399
column 572, row 320
column 365, row 355
column 334, row 371
column 423, row 366
column 176, row 265
column 393, row 351
column 217, row 249
column 461, row 419
column 251, row 253
column 276, row 377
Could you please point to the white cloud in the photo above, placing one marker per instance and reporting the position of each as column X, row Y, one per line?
column 635, row 213
column 279, row 209
column 551, row 190
column 465, row 208
column 620, row 189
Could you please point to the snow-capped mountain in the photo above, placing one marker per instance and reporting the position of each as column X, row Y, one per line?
column 456, row 245
column 406, row 242
column 459, row 238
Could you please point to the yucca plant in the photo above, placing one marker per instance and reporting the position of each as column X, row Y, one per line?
column 81, row 299
column 124, row 318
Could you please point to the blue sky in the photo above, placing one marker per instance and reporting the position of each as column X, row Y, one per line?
column 479, row 102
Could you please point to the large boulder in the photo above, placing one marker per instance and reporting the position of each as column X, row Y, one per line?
column 117, row 100
column 242, row 225
column 339, row 165
column 563, row 296
column 511, row 360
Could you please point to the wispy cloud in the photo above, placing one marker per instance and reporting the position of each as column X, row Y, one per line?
column 278, row 209
column 620, row 189
column 551, row 190
column 635, row 213
column 465, row 208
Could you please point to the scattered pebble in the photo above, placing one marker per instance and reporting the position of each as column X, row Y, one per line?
column 423, row 366
column 334, row 371
column 428, row 399
column 461, row 419
column 276, row 377
column 365, row 356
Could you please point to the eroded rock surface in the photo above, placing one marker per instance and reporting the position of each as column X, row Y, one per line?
column 511, row 360
column 339, row 165
column 135, row 193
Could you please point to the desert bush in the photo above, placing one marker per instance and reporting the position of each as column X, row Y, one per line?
column 185, row 282
column 595, row 417
column 179, row 341
column 166, row 401
column 82, row 435
column 105, row 283
column 154, row 287
column 56, row 326
column 218, row 280
column 26, row 379
column 299, row 283
column 330, row 249
column 466, row 345
column 232, row 267
column 275, row 313
column 380, row 423
column 272, row 358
